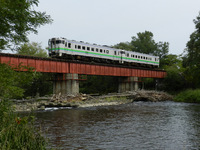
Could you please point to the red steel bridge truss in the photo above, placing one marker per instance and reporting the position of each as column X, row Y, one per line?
column 50, row 65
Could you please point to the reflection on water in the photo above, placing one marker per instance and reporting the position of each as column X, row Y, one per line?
column 140, row 125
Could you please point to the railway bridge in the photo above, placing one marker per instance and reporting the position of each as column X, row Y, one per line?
column 68, row 72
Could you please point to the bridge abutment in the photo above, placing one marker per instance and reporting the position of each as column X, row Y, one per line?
column 66, row 84
column 128, row 84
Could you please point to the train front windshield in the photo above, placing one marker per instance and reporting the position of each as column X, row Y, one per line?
column 55, row 43
column 59, row 42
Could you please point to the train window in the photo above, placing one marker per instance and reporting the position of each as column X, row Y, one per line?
column 66, row 44
column 63, row 42
column 115, row 53
column 58, row 41
column 75, row 46
column 104, row 51
column 138, row 56
column 107, row 51
column 92, row 49
column 101, row 50
column 88, row 48
column 69, row 45
column 79, row 47
column 97, row 49
column 83, row 47
column 135, row 56
column 127, row 54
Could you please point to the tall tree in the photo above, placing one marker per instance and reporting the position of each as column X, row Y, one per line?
column 192, row 57
column 32, row 49
column 175, row 79
column 18, row 18
column 41, row 83
column 144, row 43
column 191, row 60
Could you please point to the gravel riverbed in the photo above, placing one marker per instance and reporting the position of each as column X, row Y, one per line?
column 84, row 100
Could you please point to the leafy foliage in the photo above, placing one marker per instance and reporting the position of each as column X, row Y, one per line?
column 144, row 43
column 8, row 83
column 32, row 49
column 184, row 73
column 191, row 60
column 192, row 96
column 41, row 83
column 17, row 132
column 18, row 18
column 193, row 46
column 17, row 84
column 175, row 80
column 99, row 84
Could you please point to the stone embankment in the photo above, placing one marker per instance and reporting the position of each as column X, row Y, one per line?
column 83, row 100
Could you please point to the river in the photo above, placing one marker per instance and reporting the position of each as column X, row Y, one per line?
column 139, row 125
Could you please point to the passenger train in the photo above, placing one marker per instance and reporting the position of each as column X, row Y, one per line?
column 62, row 47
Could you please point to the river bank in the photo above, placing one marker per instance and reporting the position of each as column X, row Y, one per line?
column 188, row 96
column 84, row 100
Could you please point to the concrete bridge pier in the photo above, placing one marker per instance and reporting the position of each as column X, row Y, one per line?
column 66, row 84
column 128, row 84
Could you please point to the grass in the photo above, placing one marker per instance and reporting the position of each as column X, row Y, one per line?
column 18, row 133
column 190, row 96
column 115, row 98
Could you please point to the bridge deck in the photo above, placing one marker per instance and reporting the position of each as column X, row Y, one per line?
column 50, row 65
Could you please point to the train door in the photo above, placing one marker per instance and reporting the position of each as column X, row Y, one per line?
column 122, row 55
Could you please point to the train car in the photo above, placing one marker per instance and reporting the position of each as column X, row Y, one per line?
column 62, row 47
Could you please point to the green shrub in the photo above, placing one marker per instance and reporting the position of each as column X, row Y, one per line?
column 18, row 132
column 191, row 96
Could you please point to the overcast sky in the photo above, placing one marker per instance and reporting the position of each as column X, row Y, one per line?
column 108, row 22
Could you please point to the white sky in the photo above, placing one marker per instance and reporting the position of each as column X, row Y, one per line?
column 108, row 22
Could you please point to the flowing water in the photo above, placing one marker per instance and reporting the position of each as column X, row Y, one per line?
column 139, row 125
